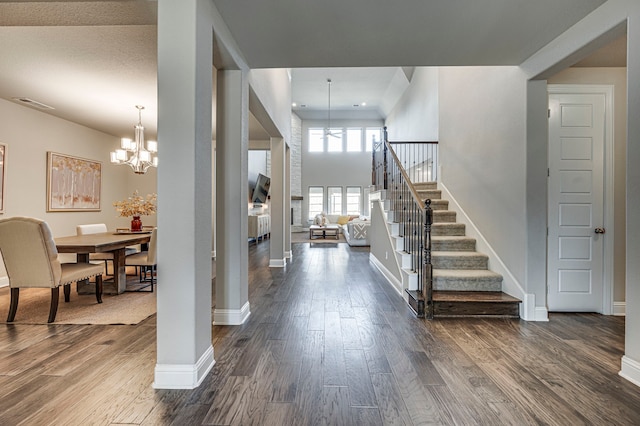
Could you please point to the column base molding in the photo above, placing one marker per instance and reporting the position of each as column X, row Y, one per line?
column 630, row 370
column 231, row 316
column 184, row 376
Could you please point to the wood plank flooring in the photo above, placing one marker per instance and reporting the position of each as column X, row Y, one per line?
column 328, row 343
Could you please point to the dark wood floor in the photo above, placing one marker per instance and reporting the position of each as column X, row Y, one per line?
column 328, row 343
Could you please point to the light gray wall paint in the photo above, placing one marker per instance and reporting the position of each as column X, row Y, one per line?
column 272, row 88
column 334, row 168
column 618, row 78
column 415, row 116
column 482, row 153
column 606, row 23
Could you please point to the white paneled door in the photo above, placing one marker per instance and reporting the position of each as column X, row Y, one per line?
column 576, row 202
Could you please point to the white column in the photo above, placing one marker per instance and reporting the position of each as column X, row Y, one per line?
column 287, row 203
column 232, row 198
column 276, row 244
column 185, row 51
column 631, row 358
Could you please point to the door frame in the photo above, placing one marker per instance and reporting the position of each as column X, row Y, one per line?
column 608, row 185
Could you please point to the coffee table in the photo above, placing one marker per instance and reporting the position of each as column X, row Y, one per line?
column 317, row 231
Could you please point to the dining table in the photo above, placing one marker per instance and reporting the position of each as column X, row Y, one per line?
column 114, row 242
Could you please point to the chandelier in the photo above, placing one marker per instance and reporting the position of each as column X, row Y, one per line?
column 133, row 152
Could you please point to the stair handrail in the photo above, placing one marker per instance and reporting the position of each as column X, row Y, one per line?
column 405, row 176
column 415, row 226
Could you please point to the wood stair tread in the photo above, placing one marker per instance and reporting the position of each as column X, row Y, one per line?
column 474, row 296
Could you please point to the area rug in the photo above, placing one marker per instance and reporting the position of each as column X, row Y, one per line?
column 303, row 237
column 33, row 307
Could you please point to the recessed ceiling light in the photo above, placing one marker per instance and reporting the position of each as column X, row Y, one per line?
column 294, row 104
column 363, row 104
column 32, row 103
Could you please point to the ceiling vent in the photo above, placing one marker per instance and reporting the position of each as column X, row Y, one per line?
column 32, row 103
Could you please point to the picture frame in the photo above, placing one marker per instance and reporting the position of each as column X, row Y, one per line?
column 3, row 166
column 73, row 184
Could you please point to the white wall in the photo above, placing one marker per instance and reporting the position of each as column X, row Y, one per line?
column 29, row 134
column 333, row 168
column 618, row 78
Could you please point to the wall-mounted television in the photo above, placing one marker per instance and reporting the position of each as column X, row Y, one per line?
column 261, row 190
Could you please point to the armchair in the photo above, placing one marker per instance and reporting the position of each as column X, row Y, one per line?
column 31, row 260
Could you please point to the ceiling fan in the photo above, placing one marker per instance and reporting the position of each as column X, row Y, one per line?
column 327, row 131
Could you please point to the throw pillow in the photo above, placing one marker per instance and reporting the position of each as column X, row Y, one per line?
column 318, row 220
column 342, row 220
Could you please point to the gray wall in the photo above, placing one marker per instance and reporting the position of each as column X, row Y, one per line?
column 482, row 153
column 415, row 116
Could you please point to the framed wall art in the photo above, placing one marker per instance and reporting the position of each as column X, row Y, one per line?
column 3, row 166
column 73, row 183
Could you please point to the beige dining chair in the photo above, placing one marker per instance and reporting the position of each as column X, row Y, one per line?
column 146, row 261
column 97, row 228
column 31, row 260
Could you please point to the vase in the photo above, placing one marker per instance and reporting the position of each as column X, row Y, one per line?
column 136, row 224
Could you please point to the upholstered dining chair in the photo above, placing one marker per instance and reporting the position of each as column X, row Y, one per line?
column 31, row 260
column 146, row 261
column 97, row 228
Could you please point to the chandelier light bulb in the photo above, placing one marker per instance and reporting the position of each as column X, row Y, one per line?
column 133, row 152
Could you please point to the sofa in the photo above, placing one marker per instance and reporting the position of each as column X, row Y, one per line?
column 355, row 228
column 356, row 232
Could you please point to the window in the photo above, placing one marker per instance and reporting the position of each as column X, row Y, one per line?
column 316, row 140
column 334, row 197
column 354, row 140
column 354, row 195
column 334, row 140
column 372, row 134
column 316, row 194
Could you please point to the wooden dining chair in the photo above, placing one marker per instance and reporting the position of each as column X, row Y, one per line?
column 31, row 260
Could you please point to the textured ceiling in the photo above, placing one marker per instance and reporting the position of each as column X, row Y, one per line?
column 93, row 61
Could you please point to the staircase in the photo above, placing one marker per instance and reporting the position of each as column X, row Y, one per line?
column 463, row 286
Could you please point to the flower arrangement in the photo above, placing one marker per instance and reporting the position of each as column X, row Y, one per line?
column 137, row 205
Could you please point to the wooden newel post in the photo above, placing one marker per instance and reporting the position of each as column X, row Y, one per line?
column 427, row 268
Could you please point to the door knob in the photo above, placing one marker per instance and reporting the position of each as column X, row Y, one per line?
column 599, row 230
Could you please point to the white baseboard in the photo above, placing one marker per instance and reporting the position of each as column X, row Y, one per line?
column 213, row 254
column 530, row 312
column 4, row 281
column 620, row 309
column 397, row 285
column 630, row 370
column 288, row 255
column 184, row 376
column 541, row 314
column 231, row 316
column 277, row 263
